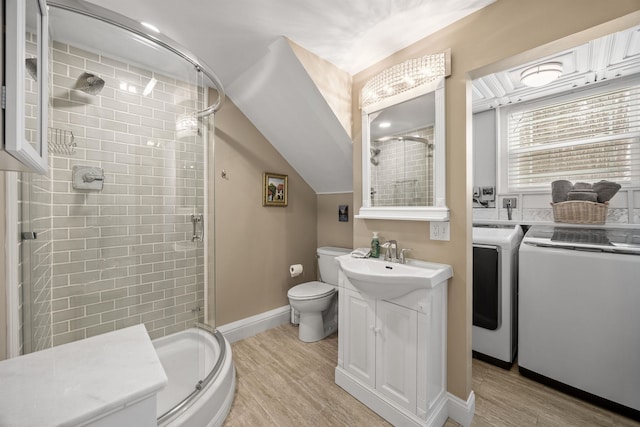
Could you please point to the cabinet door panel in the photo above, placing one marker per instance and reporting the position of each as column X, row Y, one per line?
column 359, row 337
column 26, row 68
column 396, row 353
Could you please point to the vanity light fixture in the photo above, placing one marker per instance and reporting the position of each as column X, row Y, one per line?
column 406, row 76
column 541, row 74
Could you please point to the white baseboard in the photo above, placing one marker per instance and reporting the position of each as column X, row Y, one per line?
column 461, row 411
column 250, row 326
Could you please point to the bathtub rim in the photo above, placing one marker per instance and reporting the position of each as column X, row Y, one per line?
column 202, row 384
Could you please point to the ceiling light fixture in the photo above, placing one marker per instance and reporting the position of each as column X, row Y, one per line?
column 542, row 74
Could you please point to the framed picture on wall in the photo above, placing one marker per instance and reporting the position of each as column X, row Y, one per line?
column 274, row 189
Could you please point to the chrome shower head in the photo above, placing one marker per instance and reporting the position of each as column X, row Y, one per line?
column 32, row 67
column 89, row 83
column 374, row 156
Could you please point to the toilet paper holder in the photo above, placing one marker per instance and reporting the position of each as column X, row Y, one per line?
column 296, row 270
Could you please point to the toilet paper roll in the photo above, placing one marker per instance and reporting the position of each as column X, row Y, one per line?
column 295, row 270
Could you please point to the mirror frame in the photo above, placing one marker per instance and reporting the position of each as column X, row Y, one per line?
column 438, row 212
column 15, row 142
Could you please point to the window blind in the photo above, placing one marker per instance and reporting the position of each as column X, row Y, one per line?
column 586, row 139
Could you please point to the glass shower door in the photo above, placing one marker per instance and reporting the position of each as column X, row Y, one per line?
column 35, row 262
column 123, row 205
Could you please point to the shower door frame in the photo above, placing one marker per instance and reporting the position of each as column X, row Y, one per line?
column 11, row 265
column 12, row 194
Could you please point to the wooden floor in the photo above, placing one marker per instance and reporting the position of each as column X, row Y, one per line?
column 282, row 381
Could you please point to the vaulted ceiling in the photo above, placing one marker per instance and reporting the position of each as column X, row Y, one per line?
column 238, row 38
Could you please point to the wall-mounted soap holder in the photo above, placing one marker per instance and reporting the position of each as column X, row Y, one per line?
column 87, row 178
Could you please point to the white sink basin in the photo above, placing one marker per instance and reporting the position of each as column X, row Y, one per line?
column 386, row 280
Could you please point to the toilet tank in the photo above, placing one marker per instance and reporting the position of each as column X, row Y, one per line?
column 328, row 264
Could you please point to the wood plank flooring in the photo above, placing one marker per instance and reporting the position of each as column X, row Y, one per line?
column 282, row 381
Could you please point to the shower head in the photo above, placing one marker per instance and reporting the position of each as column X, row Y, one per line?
column 89, row 83
column 374, row 156
column 32, row 67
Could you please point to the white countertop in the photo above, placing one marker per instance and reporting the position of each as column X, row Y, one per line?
column 75, row 382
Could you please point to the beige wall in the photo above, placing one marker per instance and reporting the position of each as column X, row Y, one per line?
column 501, row 30
column 335, row 86
column 332, row 232
column 333, row 83
column 3, row 290
column 255, row 245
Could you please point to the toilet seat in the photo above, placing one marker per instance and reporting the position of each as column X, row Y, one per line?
column 310, row 290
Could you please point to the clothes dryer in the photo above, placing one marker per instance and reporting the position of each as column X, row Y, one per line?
column 495, row 293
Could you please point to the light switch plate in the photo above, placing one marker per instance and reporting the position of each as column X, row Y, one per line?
column 440, row 230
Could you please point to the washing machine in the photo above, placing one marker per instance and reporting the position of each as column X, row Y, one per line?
column 495, row 293
column 579, row 313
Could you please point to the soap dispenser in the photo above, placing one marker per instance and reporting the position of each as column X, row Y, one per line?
column 375, row 245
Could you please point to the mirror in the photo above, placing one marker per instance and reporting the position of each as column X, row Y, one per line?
column 26, row 88
column 403, row 157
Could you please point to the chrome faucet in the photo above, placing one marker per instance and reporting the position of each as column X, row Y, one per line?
column 403, row 258
column 391, row 253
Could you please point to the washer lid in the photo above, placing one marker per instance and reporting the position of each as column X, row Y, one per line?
column 618, row 240
column 310, row 290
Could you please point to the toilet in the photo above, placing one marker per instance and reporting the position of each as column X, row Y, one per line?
column 316, row 302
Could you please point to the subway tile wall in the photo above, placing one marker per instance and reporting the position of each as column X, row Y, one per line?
column 124, row 255
column 404, row 173
column 36, row 262
column 34, row 215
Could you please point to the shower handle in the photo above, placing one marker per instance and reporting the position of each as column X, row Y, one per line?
column 195, row 219
column 90, row 177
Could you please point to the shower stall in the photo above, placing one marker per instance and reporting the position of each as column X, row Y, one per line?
column 119, row 232
column 402, row 169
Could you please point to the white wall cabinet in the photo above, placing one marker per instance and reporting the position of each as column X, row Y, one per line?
column 392, row 354
column 25, row 66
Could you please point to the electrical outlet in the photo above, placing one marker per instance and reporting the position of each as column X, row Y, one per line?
column 439, row 230
column 514, row 202
column 487, row 194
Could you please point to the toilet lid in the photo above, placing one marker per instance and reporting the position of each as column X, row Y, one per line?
column 310, row 290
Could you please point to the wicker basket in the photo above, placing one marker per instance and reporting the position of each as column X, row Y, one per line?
column 580, row 212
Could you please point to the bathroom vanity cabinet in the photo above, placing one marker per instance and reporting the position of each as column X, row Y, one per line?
column 392, row 354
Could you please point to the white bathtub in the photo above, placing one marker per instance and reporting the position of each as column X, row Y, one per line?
column 188, row 357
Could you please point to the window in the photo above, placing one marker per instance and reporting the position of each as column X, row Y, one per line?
column 579, row 137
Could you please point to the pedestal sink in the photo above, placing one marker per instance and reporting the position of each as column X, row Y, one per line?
column 386, row 280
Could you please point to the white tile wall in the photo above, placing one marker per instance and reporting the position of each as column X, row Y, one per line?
column 536, row 207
